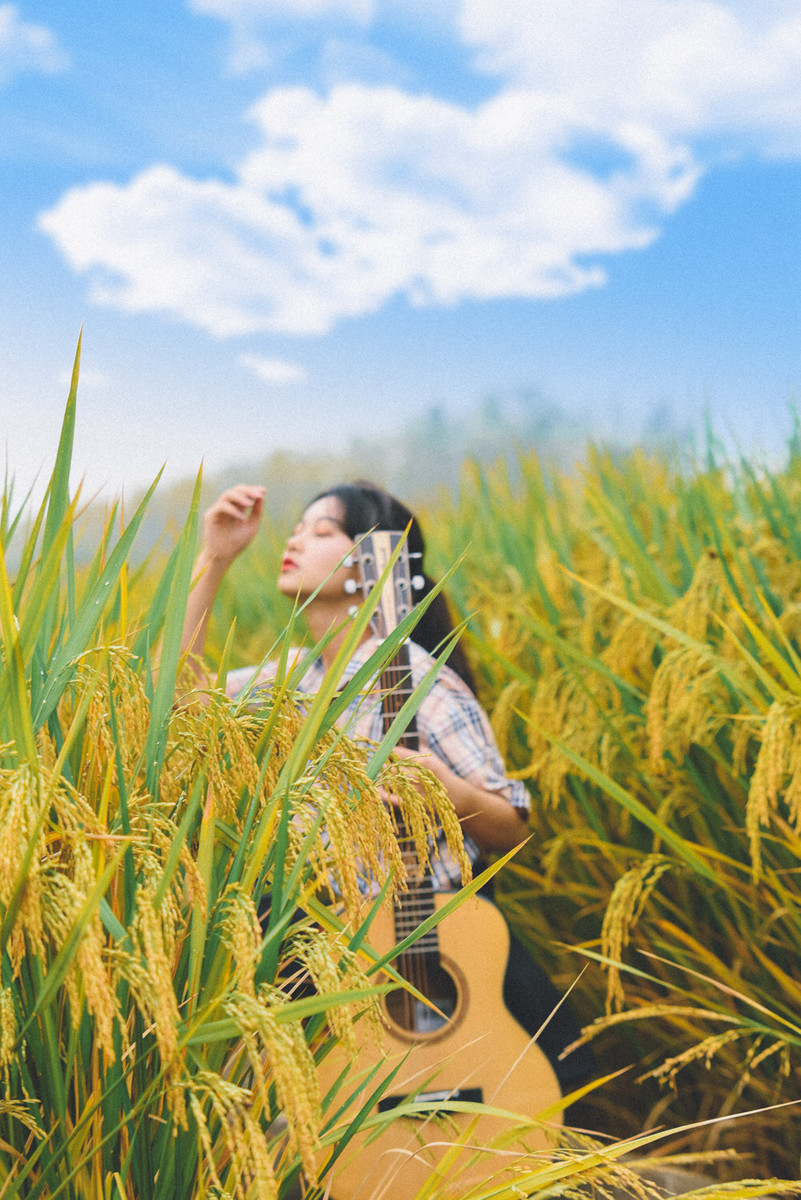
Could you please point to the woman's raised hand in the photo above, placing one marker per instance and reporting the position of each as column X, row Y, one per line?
column 230, row 525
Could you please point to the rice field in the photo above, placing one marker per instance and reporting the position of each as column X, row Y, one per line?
column 635, row 630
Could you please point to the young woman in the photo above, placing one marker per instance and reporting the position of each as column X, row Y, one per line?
column 456, row 741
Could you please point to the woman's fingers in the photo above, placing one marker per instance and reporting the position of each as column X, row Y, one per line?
column 424, row 758
column 240, row 502
column 231, row 522
column 412, row 755
column 388, row 797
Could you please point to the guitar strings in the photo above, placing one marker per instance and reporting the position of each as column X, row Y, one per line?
column 412, row 964
column 395, row 686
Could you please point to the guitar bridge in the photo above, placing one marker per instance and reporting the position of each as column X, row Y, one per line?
column 474, row 1095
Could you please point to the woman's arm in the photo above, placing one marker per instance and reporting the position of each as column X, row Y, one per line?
column 229, row 526
column 487, row 817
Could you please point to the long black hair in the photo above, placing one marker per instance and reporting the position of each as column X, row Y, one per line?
column 366, row 507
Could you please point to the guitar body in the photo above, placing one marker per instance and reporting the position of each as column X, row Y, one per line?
column 479, row 1052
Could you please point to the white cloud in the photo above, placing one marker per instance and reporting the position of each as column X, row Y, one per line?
column 273, row 370
column 688, row 68
column 363, row 195
column 252, row 11
column 601, row 129
column 26, row 47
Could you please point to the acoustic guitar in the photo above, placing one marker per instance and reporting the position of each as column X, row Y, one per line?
column 465, row 1045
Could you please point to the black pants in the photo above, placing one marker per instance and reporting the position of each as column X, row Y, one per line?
column 531, row 998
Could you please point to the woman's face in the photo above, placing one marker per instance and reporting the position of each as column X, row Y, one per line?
column 314, row 550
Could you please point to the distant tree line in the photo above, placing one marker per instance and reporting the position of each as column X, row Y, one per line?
column 424, row 456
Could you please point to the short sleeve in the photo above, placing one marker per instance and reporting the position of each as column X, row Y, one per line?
column 456, row 729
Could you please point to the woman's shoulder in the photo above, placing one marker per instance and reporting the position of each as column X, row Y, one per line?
column 447, row 679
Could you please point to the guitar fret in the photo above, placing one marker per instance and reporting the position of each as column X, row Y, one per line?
column 427, row 947
column 420, row 888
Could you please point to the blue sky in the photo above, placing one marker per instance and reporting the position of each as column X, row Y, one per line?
column 283, row 223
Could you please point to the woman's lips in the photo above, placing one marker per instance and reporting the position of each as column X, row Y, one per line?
column 287, row 563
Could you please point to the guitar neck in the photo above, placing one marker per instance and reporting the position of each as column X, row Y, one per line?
column 396, row 687
column 374, row 553
column 417, row 903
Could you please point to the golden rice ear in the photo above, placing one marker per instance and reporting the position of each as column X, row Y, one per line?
column 426, row 806
column 776, row 779
column 623, row 911
column 686, row 705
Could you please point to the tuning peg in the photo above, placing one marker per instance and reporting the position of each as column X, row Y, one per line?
column 351, row 586
column 418, row 582
column 415, row 554
column 350, row 561
column 352, row 611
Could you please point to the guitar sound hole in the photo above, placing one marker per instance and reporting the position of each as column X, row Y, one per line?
column 412, row 1015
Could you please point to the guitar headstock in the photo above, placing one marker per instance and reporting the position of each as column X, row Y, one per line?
column 371, row 556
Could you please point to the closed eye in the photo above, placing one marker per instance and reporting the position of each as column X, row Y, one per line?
column 327, row 527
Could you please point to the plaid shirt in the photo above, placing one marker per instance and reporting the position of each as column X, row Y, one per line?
column 450, row 722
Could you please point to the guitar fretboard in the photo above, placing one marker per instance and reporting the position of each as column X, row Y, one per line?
column 417, row 902
column 411, row 909
column 396, row 687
